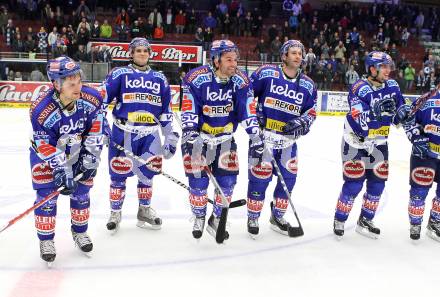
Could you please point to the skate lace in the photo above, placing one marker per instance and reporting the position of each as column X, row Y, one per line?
column 148, row 212
column 47, row 247
column 339, row 225
column 115, row 216
column 367, row 223
column 435, row 225
column 199, row 223
column 415, row 229
column 252, row 223
column 82, row 239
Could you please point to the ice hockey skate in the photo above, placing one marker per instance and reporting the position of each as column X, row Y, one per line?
column 213, row 226
column 433, row 230
column 367, row 228
column 147, row 218
column 83, row 242
column 253, row 228
column 199, row 224
column 338, row 229
column 47, row 251
column 414, row 231
column 114, row 221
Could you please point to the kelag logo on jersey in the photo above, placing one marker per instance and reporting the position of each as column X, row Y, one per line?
column 286, row 92
column 141, row 83
column 280, row 105
column 142, row 98
column 214, row 96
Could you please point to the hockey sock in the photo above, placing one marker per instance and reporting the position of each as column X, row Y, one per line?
column 256, row 195
column 416, row 205
column 279, row 207
column 145, row 193
column 343, row 207
column 45, row 216
column 117, row 194
column 198, row 199
column 79, row 210
column 369, row 206
column 218, row 203
column 435, row 210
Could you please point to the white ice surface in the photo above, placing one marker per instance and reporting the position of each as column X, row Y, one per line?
column 138, row 262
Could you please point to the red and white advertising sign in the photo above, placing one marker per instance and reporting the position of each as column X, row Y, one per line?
column 164, row 53
column 21, row 94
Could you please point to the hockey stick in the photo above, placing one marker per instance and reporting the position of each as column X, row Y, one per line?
column 170, row 177
column 420, row 101
column 36, row 205
column 220, row 235
column 292, row 231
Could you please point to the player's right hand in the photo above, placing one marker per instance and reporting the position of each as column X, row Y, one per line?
column 64, row 179
column 384, row 107
column 404, row 114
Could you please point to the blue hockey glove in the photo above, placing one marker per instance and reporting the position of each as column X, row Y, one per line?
column 191, row 139
column 382, row 108
column 87, row 165
column 170, row 144
column 64, row 179
column 296, row 127
column 403, row 114
column 420, row 147
column 256, row 147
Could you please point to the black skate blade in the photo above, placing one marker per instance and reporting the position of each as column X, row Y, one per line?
column 220, row 235
column 295, row 231
column 237, row 203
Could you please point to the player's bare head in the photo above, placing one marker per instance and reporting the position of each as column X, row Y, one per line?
column 66, row 76
column 292, row 53
column 224, row 56
column 379, row 65
column 140, row 51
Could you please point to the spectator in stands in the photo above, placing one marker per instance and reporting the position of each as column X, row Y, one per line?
column 42, row 40
column 158, row 33
column 272, row 32
column 10, row 32
column 18, row 76
column 95, row 30
column 122, row 30
column 156, row 18
column 420, row 82
column 83, row 8
column 83, row 37
column 180, row 22
column 169, row 19
column 199, row 36
column 262, row 49
column 11, row 75
column 148, row 29
column 105, row 30
column 341, row 70
column 52, row 38
column 310, row 60
column 210, row 22
column 192, row 21
column 354, row 38
column 409, row 76
column 293, row 22
column 3, row 20
column 122, row 16
column 401, row 81
column 18, row 44
column 325, row 50
column 83, row 24
column 420, row 20
column 82, row 55
column 208, row 37
column 285, row 30
column 405, row 37
column 29, row 44
column 238, row 24
column 275, row 47
column 340, row 51
column 351, row 76
column 247, row 22
column 257, row 25
column 104, row 55
column 318, row 77
column 136, row 30
column 265, row 8
column 36, row 75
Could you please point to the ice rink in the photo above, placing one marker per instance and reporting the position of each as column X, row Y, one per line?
column 169, row 262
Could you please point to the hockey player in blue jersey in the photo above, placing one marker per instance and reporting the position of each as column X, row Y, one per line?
column 286, row 110
column 216, row 98
column 142, row 108
column 66, row 141
column 423, row 130
column 373, row 102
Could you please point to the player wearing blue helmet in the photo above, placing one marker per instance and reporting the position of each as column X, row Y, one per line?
column 286, row 111
column 67, row 140
column 373, row 102
column 216, row 98
column 142, row 108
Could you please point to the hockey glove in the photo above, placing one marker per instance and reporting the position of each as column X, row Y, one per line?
column 404, row 114
column 261, row 118
column 190, row 140
column 64, row 179
column 296, row 127
column 170, row 144
column 256, row 147
column 420, row 147
column 87, row 165
column 382, row 108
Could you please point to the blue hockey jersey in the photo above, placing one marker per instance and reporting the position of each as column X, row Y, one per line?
column 60, row 137
column 215, row 108
column 361, row 129
column 281, row 99
column 427, row 122
column 142, row 97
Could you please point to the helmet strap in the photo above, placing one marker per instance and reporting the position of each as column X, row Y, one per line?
column 140, row 67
